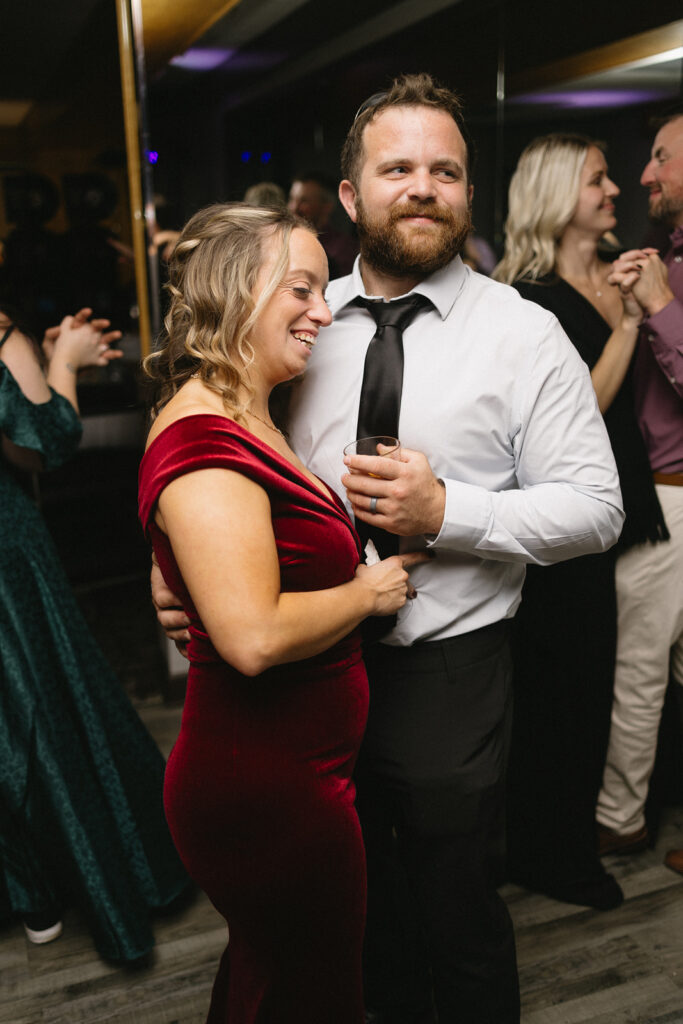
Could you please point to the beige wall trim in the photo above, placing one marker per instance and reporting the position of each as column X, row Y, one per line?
column 624, row 51
column 171, row 26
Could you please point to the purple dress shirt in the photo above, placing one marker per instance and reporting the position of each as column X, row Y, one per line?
column 659, row 372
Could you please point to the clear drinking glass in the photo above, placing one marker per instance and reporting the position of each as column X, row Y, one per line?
column 370, row 446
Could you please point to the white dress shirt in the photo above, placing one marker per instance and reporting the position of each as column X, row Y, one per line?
column 500, row 402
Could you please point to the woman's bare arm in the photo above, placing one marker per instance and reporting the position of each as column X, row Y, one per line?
column 219, row 524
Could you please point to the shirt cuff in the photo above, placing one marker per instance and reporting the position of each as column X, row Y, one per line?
column 465, row 519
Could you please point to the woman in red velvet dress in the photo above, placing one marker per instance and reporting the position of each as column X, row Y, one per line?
column 258, row 790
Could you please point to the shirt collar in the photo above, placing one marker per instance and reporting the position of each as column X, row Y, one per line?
column 442, row 287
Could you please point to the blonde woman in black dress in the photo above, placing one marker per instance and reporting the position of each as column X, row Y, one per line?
column 562, row 202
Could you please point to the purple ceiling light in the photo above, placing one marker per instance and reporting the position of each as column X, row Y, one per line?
column 199, row 59
column 568, row 98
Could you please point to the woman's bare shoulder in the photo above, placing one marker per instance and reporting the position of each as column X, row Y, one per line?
column 193, row 399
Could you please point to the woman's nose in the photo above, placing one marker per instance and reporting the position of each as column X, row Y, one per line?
column 321, row 313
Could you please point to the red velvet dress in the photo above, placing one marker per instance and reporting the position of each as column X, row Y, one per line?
column 258, row 790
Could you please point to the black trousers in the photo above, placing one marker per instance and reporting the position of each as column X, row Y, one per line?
column 431, row 782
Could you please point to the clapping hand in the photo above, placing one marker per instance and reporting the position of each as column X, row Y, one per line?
column 84, row 341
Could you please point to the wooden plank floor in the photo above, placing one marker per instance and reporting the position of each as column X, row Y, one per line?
column 576, row 965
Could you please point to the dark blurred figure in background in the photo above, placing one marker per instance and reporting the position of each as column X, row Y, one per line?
column 31, row 274
column 313, row 196
column 479, row 255
column 265, row 193
column 91, row 251
column 46, row 274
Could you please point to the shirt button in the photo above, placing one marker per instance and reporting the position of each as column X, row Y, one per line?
column 672, row 380
column 650, row 337
column 677, row 259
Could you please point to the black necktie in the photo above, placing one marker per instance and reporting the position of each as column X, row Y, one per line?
column 380, row 396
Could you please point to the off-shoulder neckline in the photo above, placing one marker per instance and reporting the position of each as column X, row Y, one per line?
column 323, row 490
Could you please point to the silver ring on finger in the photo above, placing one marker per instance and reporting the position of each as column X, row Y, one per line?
column 373, row 506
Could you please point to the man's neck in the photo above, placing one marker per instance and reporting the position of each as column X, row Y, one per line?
column 389, row 287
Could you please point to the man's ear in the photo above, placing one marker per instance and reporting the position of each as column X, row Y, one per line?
column 470, row 193
column 347, row 197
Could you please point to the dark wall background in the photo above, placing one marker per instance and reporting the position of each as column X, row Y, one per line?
column 203, row 125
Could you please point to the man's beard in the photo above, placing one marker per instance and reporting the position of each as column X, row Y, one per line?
column 419, row 252
column 666, row 209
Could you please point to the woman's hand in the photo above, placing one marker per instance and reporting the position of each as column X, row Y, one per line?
column 633, row 312
column 235, row 585
column 643, row 273
column 81, row 342
column 77, row 342
column 389, row 581
column 164, row 240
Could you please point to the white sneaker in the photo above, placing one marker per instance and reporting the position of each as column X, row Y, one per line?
column 39, row 936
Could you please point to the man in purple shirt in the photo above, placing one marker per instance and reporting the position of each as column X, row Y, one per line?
column 650, row 576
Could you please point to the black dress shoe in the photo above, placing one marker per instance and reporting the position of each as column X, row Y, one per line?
column 601, row 893
column 397, row 1016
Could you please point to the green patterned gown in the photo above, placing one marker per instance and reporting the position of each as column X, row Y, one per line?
column 81, row 815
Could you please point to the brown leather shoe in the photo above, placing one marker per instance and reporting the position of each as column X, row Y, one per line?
column 629, row 842
column 674, row 860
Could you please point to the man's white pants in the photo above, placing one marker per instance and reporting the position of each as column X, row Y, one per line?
column 649, row 581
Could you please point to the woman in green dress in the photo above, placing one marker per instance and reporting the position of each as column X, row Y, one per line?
column 81, row 816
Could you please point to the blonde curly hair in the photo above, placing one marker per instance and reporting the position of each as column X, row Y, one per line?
column 544, row 191
column 212, row 275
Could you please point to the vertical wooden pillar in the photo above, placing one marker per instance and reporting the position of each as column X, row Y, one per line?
column 132, row 133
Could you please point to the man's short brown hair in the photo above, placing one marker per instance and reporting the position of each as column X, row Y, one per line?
column 671, row 113
column 419, row 90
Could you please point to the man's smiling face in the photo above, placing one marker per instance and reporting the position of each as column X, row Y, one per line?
column 412, row 206
column 663, row 175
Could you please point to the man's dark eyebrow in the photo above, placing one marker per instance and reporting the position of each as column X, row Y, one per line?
column 441, row 161
column 452, row 164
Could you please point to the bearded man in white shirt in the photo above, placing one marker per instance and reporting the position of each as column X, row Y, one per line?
column 504, row 461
